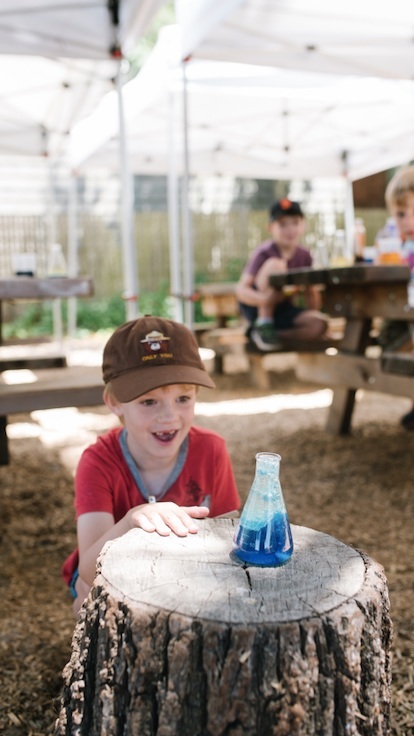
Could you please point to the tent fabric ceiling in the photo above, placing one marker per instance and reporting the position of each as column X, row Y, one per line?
column 363, row 37
column 252, row 121
column 82, row 29
column 41, row 99
column 56, row 65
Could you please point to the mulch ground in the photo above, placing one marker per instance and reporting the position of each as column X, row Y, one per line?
column 357, row 488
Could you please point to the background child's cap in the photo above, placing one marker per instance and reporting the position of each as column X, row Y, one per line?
column 285, row 207
column 151, row 352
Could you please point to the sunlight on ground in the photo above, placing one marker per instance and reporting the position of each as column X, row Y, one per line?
column 23, row 375
column 57, row 426
column 266, row 404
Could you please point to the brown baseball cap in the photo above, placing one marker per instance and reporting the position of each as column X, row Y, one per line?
column 151, row 352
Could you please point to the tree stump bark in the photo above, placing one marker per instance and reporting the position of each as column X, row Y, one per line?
column 175, row 639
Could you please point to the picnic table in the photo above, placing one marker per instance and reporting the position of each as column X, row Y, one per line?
column 21, row 288
column 359, row 294
column 45, row 393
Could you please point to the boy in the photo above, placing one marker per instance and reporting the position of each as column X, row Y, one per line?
column 399, row 198
column 272, row 315
column 157, row 472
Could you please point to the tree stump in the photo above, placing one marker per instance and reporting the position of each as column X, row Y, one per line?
column 175, row 639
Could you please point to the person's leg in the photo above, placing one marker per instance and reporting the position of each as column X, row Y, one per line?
column 263, row 332
column 272, row 296
column 309, row 324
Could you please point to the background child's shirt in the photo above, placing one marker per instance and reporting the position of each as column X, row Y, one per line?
column 301, row 257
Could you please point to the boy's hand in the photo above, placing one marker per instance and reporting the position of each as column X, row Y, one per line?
column 166, row 517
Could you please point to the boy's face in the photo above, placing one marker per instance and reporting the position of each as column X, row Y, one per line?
column 158, row 422
column 288, row 231
column 403, row 215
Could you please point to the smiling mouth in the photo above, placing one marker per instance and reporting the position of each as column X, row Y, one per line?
column 165, row 437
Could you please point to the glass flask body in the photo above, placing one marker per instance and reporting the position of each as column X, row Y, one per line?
column 264, row 537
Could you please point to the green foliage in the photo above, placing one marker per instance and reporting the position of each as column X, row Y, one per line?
column 100, row 314
column 156, row 302
column 165, row 16
column 36, row 320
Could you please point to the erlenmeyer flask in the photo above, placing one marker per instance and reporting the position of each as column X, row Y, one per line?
column 264, row 536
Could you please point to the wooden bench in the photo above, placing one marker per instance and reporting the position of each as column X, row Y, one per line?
column 67, row 386
column 230, row 339
column 400, row 363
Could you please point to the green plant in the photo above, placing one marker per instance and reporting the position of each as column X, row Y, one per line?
column 92, row 315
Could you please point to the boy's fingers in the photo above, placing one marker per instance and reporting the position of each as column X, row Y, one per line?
column 196, row 512
column 165, row 518
column 154, row 523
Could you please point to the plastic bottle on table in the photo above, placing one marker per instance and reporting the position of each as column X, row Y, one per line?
column 389, row 245
column 57, row 267
column 360, row 239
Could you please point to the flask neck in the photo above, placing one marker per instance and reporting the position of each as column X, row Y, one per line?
column 268, row 462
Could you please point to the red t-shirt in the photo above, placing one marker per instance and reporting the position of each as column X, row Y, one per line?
column 104, row 482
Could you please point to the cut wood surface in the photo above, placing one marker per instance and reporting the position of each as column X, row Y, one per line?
column 177, row 639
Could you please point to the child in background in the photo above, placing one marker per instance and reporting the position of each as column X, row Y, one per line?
column 399, row 198
column 271, row 314
column 157, row 471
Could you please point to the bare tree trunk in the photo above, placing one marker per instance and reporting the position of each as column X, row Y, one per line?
column 175, row 639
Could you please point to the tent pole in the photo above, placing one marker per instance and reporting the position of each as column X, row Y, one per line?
column 128, row 246
column 56, row 303
column 349, row 216
column 72, row 248
column 187, row 234
column 173, row 213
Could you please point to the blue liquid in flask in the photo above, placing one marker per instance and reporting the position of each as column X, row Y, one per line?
column 270, row 545
column 264, row 537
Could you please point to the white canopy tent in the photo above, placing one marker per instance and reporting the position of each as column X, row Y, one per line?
column 81, row 30
column 255, row 121
column 252, row 121
column 373, row 38
column 65, row 58
column 370, row 38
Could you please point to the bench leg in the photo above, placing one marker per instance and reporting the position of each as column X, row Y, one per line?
column 340, row 411
column 219, row 364
column 258, row 373
column 4, row 448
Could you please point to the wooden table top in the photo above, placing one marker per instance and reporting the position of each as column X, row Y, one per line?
column 29, row 287
column 346, row 275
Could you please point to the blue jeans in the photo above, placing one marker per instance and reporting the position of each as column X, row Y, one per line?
column 283, row 317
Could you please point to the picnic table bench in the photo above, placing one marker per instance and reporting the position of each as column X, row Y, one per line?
column 359, row 294
column 51, row 389
column 219, row 302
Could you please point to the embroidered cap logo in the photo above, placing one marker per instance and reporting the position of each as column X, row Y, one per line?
column 155, row 342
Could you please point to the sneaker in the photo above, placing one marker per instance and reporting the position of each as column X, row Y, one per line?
column 265, row 337
column 407, row 420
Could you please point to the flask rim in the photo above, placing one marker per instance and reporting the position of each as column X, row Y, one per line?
column 274, row 455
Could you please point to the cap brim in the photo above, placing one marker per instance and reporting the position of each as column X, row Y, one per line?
column 135, row 383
